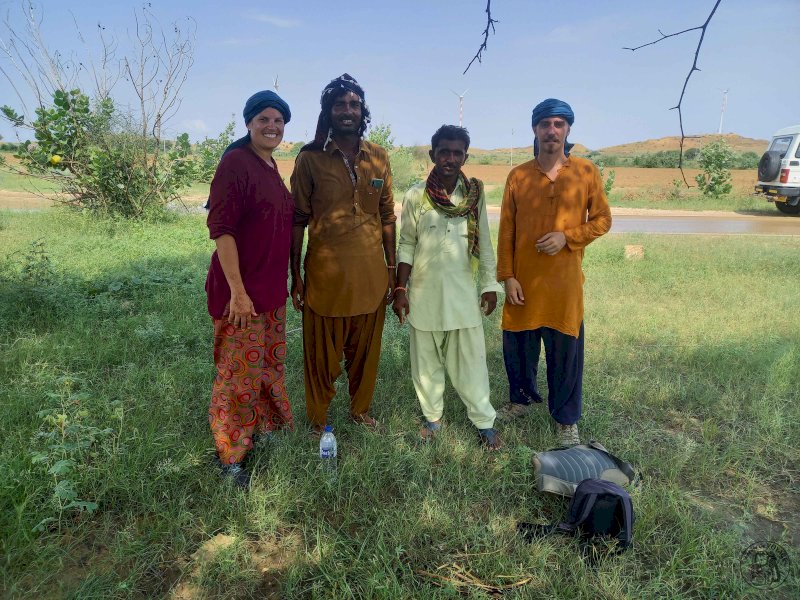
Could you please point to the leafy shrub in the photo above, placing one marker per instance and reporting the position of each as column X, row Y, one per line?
column 210, row 150
column 407, row 170
column 96, row 158
column 691, row 154
column 381, row 134
column 715, row 160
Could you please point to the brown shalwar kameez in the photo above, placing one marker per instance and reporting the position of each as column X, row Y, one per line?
column 346, row 278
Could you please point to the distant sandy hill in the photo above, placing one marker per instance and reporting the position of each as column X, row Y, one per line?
column 736, row 142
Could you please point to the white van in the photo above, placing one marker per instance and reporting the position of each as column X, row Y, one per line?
column 779, row 171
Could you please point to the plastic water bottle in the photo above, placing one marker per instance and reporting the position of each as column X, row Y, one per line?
column 327, row 452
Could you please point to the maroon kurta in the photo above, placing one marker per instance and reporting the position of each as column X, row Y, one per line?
column 250, row 202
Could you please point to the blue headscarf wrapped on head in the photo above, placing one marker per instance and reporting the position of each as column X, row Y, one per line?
column 254, row 105
column 552, row 107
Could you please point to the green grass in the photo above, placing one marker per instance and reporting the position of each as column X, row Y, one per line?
column 691, row 200
column 693, row 372
column 13, row 182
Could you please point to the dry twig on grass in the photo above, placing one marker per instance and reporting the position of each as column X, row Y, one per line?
column 459, row 577
column 664, row 36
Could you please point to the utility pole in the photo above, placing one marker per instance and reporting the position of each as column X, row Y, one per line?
column 512, row 146
column 460, row 106
column 724, row 106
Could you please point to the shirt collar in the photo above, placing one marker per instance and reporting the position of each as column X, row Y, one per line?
column 564, row 166
column 331, row 146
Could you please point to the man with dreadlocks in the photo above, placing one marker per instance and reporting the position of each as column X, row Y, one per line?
column 553, row 207
column 444, row 230
column 342, row 188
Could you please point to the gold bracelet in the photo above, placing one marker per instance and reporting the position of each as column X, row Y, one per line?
column 400, row 287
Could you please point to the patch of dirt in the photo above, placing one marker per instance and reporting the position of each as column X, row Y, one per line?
column 271, row 558
column 776, row 517
column 23, row 201
column 627, row 179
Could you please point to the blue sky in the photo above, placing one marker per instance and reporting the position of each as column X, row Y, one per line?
column 410, row 54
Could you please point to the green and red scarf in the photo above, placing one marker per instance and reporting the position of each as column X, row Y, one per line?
column 440, row 200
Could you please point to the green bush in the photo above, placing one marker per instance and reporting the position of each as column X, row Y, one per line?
column 209, row 152
column 98, row 160
column 381, row 134
column 716, row 159
column 407, row 170
column 668, row 159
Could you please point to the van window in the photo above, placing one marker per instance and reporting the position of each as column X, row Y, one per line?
column 781, row 144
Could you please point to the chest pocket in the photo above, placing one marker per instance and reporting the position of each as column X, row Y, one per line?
column 370, row 197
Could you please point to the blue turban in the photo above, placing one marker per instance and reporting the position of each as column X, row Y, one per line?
column 254, row 105
column 265, row 99
column 552, row 108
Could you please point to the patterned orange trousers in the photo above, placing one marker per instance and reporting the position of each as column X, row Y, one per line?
column 249, row 392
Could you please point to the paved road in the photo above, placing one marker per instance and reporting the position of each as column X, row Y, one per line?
column 693, row 222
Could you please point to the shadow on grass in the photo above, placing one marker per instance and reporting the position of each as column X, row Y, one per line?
column 129, row 351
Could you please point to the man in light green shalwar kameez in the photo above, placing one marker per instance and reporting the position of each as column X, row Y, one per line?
column 444, row 231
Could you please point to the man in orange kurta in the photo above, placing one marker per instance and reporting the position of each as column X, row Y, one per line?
column 553, row 207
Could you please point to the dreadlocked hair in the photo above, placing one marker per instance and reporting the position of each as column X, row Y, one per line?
column 332, row 92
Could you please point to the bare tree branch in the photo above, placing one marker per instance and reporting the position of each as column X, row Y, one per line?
column 702, row 29
column 489, row 24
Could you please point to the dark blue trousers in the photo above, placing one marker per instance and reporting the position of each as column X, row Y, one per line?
column 564, row 358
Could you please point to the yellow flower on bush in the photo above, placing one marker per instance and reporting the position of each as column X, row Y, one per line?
column 55, row 159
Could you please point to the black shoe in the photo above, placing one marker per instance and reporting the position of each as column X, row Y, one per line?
column 236, row 474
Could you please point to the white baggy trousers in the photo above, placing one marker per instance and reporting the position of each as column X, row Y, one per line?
column 461, row 353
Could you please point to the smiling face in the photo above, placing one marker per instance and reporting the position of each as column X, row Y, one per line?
column 266, row 130
column 346, row 114
column 448, row 157
column 551, row 132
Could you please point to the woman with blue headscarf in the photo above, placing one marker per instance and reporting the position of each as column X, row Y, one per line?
column 250, row 220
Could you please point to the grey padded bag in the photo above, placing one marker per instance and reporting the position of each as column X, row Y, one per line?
column 560, row 471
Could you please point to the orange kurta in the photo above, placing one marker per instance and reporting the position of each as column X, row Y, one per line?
column 533, row 205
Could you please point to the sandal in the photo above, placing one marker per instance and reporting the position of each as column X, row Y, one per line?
column 490, row 439
column 367, row 421
column 429, row 430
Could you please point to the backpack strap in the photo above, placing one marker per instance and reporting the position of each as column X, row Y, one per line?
column 627, row 512
column 585, row 508
column 623, row 466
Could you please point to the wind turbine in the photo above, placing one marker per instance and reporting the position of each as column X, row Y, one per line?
column 460, row 106
column 724, row 106
column 275, row 83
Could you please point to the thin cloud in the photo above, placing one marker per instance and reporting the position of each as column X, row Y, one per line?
column 276, row 21
column 244, row 41
column 195, row 124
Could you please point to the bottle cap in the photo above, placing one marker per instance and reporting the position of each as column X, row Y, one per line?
column 328, row 428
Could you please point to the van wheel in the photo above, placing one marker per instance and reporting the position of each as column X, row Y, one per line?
column 769, row 166
column 787, row 208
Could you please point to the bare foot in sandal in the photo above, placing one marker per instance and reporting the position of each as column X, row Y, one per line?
column 490, row 439
column 429, row 430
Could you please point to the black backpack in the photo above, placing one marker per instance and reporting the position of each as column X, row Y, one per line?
column 598, row 509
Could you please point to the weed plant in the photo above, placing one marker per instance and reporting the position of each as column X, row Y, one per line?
column 108, row 490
